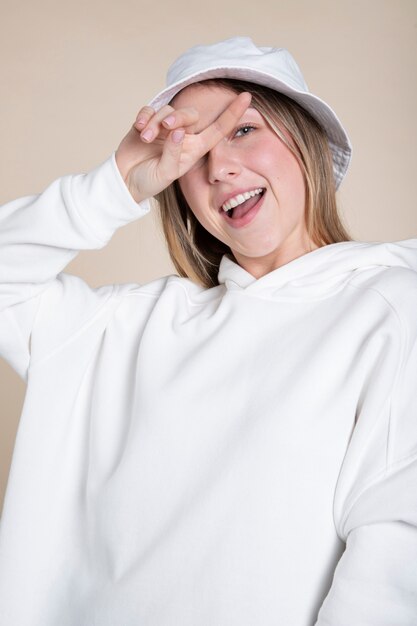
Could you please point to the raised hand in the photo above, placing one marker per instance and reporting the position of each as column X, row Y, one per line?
column 158, row 149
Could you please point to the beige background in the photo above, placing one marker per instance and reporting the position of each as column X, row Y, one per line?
column 75, row 73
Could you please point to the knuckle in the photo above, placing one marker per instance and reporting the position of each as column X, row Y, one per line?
column 164, row 111
column 192, row 113
column 146, row 110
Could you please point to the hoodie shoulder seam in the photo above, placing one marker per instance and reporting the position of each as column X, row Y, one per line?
column 384, row 297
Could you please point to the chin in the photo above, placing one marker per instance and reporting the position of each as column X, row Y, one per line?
column 258, row 252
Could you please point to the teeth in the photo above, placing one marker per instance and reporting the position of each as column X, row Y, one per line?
column 240, row 198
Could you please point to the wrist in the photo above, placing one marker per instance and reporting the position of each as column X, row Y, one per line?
column 125, row 169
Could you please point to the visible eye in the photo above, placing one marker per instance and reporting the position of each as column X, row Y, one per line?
column 245, row 129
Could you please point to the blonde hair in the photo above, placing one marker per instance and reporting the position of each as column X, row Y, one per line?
column 196, row 253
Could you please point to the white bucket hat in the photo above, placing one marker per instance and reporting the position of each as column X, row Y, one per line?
column 240, row 58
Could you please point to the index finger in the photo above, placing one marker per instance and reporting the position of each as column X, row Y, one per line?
column 226, row 121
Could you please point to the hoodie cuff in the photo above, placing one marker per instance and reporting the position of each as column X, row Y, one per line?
column 103, row 201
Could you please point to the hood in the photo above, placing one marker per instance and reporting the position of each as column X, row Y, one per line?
column 323, row 270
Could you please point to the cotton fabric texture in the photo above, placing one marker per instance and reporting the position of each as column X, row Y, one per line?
column 240, row 58
column 240, row 455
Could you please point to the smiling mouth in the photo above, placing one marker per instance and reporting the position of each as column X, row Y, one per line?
column 242, row 203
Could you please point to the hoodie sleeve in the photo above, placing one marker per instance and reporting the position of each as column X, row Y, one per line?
column 375, row 581
column 39, row 236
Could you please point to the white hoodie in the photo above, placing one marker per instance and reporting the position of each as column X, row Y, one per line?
column 206, row 457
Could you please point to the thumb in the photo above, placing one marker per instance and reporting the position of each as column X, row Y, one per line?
column 170, row 158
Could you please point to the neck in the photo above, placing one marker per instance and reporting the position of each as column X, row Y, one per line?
column 262, row 265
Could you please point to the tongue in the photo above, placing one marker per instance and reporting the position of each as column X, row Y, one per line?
column 246, row 206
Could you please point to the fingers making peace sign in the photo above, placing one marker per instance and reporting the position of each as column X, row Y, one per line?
column 158, row 149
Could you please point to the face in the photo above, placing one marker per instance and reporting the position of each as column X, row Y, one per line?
column 252, row 164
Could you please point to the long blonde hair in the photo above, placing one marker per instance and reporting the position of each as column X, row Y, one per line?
column 196, row 253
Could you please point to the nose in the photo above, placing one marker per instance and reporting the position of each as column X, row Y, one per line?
column 223, row 164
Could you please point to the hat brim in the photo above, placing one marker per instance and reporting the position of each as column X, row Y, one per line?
column 338, row 140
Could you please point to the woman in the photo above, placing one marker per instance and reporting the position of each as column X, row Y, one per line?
column 234, row 445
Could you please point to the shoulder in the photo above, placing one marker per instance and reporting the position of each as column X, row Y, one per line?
column 158, row 286
column 397, row 286
column 392, row 282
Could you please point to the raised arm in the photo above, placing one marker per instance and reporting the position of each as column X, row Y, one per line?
column 40, row 235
